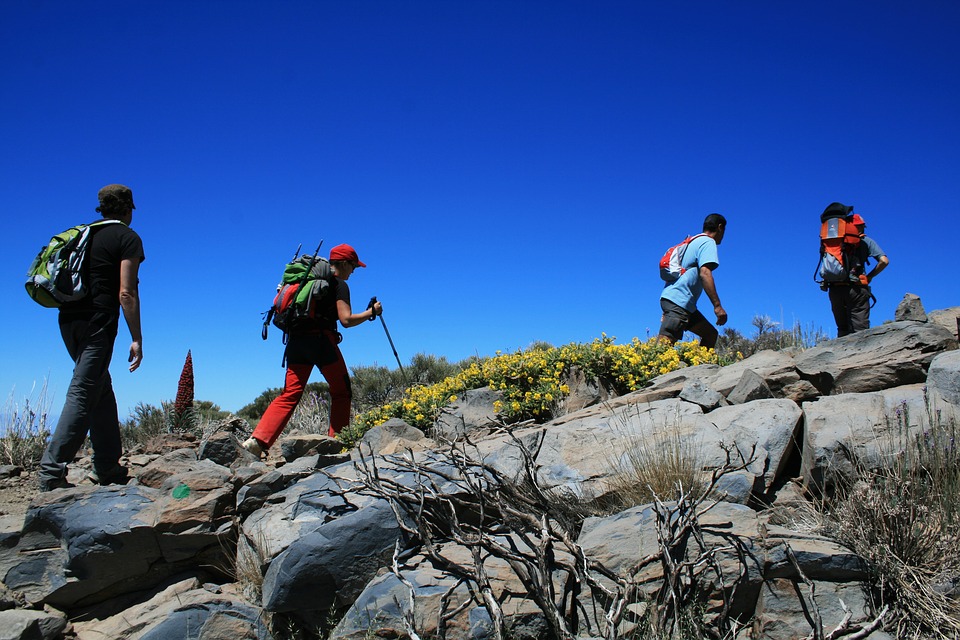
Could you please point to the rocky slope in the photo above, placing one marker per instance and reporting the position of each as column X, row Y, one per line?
column 208, row 542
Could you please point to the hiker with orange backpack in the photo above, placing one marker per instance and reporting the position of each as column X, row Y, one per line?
column 845, row 252
column 313, row 341
column 687, row 270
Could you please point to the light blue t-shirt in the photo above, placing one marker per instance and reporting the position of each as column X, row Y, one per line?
column 686, row 290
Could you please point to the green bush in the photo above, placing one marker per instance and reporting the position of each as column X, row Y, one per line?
column 532, row 381
column 148, row 421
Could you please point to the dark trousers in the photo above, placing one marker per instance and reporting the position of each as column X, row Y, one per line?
column 90, row 405
column 851, row 308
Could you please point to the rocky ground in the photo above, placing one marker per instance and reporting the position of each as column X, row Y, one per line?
column 17, row 488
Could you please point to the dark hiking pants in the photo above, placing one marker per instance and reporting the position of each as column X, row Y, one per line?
column 851, row 308
column 90, row 405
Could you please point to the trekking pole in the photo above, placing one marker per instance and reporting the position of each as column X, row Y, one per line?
column 389, row 339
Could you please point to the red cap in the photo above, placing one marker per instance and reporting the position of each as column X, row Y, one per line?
column 856, row 219
column 345, row 253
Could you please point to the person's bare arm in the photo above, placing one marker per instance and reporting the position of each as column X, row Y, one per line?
column 130, row 303
column 349, row 319
column 710, row 288
column 882, row 263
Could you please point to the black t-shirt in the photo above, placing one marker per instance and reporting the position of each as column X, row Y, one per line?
column 325, row 314
column 110, row 244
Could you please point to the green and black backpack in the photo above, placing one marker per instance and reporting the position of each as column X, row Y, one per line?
column 58, row 274
column 307, row 280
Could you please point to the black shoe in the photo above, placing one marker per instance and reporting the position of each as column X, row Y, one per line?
column 118, row 475
column 49, row 484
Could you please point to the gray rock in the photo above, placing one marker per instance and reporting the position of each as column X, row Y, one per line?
column 393, row 436
column 948, row 318
column 182, row 610
column 86, row 545
column 222, row 448
column 252, row 496
column 473, row 412
column 780, row 615
column 308, row 579
column 697, row 392
column 890, row 355
column 620, row 541
column 774, row 426
column 944, row 376
column 800, row 391
column 384, row 603
column 751, row 387
column 584, row 391
column 10, row 471
column 847, row 430
column 671, row 384
column 298, row 446
column 27, row 624
column 583, row 453
column 910, row 308
column 776, row 368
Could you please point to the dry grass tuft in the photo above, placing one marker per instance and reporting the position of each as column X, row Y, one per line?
column 903, row 519
column 25, row 429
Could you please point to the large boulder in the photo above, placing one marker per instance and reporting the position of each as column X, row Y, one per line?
column 948, row 318
column 29, row 624
column 852, row 430
column 893, row 354
column 387, row 603
column 472, row 412
column 910, row 308
column 321, row 540
column 943, row 378
column 184, row 609
column 393, row 436
column 88, row 544
column 584, row 453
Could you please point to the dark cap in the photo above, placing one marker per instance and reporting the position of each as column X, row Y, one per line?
column 116, row 193
column 345, row 253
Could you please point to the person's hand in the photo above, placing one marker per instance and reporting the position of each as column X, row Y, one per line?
column 136, row 355
column 721, row 315
column 377, row 309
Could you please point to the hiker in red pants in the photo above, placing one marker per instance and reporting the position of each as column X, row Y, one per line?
column 313, row 342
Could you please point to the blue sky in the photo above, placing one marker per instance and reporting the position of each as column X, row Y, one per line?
column 510, row 171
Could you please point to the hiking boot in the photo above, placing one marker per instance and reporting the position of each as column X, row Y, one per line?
column 253, row 446
column 118, row 475
column 49, row 484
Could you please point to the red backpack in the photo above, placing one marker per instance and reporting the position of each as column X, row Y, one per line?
column 671, row 264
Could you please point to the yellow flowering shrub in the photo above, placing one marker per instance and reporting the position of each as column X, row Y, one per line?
column 531, row 382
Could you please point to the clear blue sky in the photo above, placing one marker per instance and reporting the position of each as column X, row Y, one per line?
column 510, row 171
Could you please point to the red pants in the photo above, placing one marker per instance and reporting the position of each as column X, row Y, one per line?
column 278, row 414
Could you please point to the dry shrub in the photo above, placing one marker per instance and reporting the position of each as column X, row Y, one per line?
column 25, row 429
column 903, row 519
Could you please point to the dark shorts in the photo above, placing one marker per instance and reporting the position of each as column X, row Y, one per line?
column 675, row 319
column 318, row 349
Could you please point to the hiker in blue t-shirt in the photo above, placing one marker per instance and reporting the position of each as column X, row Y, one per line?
column 679, row 298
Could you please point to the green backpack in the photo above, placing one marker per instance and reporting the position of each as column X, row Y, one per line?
column 59, row 272
column 306, row 281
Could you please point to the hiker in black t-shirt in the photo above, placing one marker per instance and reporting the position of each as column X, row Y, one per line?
column 89, row 328
column 314, row 342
